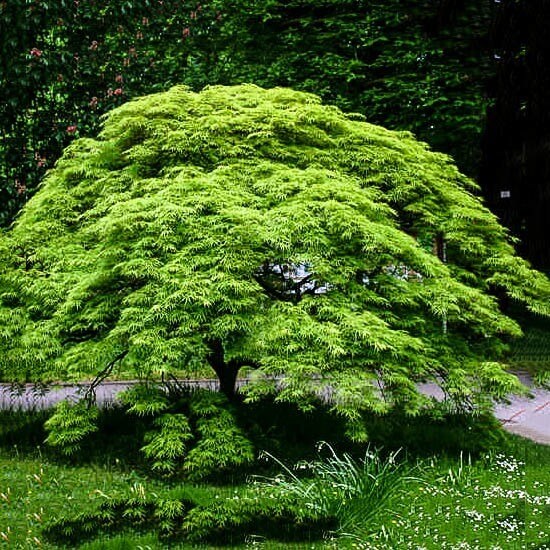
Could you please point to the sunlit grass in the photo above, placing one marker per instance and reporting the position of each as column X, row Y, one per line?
column 34, row 489
column 501, row 500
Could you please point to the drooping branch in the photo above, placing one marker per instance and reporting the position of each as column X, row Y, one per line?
column 90, row 395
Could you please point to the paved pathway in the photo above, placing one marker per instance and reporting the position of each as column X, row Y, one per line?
column 526, row 416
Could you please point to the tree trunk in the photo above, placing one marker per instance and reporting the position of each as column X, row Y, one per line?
column 440, row 247
column 226, row 372
column 228, row 381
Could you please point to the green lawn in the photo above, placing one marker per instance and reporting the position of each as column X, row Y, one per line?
column 501, row 500
column 34, row 489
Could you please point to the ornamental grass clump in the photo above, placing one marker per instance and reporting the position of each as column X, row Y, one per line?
column 353, row 492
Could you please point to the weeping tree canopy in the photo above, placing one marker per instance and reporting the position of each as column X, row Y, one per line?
column 261, row 232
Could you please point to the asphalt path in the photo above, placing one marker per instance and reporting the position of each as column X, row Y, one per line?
column 525, row 416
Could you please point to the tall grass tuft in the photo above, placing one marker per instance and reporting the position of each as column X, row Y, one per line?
column 354, row 492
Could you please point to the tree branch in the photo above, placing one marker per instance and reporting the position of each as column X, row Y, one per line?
column 90, row 395
column 303, row 281
column 238, row 363
column 271, row 291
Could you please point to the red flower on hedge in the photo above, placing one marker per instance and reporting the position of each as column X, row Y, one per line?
column 20, row 187
column 118, row 91
column 71, row 129
column 35, row 52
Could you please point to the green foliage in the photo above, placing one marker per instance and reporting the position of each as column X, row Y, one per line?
column 167, row 439
column 138, row 509
column 531, row 352
column 263, row 514
column 414, row 65
column 222, row 444
column 354, row 492
column 173, row 516
column 168, row 443
column 438, row 430
column 193, row 433
column 259, row 229
column 203, row 440
column 406, row 64
column 69, row 63
column 466, row 501
column 144, row 400
column 70, row 425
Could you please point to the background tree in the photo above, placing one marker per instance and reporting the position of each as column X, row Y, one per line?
column 258, row 229
column 515, row 170
column 64, row 64
column 410, row 65
column 433, row 68
column 419, row 66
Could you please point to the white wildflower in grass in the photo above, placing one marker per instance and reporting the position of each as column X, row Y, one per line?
column 508, row 464
column 474, row 515
column 303, row 465
column 510, row 524
column 461, row 546
column 540, row 500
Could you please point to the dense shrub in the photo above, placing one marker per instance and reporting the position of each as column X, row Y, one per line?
column 259, row 230
column 197, row 435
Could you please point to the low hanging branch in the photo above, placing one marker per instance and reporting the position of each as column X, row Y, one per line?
column 90, row 395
